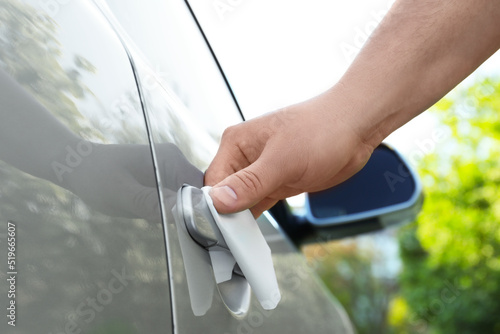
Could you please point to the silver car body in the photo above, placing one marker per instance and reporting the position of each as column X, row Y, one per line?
column 144, row 105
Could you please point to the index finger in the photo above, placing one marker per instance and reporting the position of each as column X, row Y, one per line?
column 228, row 160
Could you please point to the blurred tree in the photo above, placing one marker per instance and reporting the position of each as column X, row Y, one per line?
column 347, row 269
column 451, row 254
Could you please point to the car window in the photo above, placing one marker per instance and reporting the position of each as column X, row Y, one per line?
column 78, row 195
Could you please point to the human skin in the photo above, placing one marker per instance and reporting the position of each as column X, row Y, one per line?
column 418, row 53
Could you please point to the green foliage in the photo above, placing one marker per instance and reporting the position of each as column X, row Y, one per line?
column 451, row 254
column 347, row 269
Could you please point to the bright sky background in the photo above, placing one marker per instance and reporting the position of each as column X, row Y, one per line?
column 284, row 51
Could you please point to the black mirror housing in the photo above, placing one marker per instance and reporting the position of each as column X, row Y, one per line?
column 384, row 193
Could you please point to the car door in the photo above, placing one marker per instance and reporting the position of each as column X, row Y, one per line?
column 81, row 238
column 188, row 105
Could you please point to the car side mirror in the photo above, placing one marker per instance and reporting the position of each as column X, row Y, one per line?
column 385, row 192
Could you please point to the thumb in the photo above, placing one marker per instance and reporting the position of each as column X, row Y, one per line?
column 245, row 188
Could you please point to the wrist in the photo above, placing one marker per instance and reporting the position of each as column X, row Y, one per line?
column 368, row 120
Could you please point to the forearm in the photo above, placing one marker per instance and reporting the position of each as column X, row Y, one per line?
column 420, row 51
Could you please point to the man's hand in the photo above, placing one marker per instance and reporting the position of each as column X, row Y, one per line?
column 420, row 51
column 305, row 147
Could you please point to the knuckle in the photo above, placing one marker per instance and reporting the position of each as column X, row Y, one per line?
column 251, row 181
column 229, row 132
column 363, row 154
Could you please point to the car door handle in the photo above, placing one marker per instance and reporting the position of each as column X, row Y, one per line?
column 234, row 241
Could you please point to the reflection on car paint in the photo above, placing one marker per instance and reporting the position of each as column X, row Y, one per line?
column 81, row 190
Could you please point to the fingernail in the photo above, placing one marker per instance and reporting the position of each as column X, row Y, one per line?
column 225, row 195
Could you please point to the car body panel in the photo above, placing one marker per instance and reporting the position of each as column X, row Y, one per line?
column 78, row 269
column 72, row 247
